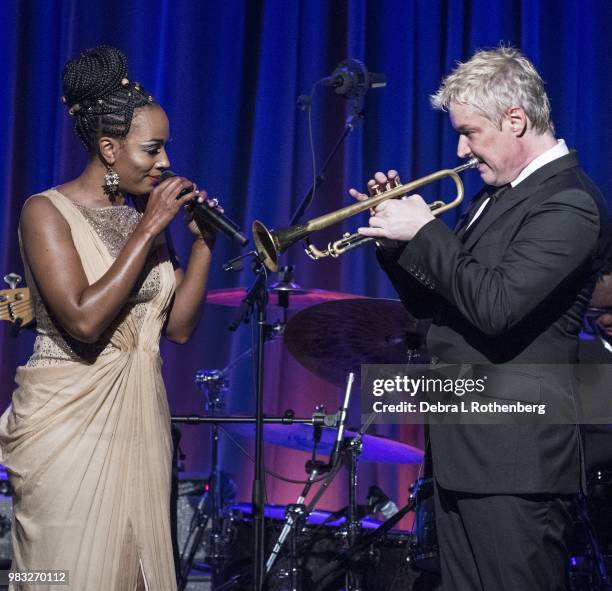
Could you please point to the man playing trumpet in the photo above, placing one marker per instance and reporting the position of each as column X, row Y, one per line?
column 509, row 286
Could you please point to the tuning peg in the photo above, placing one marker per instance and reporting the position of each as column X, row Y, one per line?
column 13, row 280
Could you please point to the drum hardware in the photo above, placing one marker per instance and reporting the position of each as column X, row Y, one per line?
column 283, row 288
column 300, row 436
column 348, row 450
column 345, row 451
column 213, row 384
column 319, row 546
column 591, row 534
column 593, row 563
column 218, row 556
column 424, row 552
column 353, row 525
column 379, row 502
column 317, row 517
column 361, row 546
column 374, row 448
column 296, row 516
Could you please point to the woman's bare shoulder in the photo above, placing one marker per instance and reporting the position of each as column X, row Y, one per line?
column 40, row 207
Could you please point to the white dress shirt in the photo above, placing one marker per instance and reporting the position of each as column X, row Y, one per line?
column 557, row 151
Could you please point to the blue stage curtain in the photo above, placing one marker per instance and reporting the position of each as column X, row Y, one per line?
column 228, row 73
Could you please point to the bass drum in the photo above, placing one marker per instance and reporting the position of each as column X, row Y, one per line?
column 384, row 566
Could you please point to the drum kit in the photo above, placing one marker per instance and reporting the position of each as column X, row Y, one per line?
column 330, row 334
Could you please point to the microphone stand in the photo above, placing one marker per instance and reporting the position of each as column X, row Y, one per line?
column 317, row 420
column 297, row 512
column 213, row 383
column 353, row 525
column 256, row 300
column 352, row 121
column 355, row 542
column 257, row 297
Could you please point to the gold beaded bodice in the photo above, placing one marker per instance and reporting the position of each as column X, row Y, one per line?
column 53, row 344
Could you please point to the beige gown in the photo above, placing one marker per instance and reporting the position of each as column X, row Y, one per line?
column 87, row 440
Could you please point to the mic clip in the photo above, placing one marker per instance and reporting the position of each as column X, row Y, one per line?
column 351, row 79
column 237, row 263
column 320, row 419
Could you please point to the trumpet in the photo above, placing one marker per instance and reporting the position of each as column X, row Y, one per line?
column 269, row 244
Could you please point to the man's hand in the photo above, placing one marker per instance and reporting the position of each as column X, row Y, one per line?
column 394, row 219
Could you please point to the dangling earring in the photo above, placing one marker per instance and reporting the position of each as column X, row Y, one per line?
column 111, row 181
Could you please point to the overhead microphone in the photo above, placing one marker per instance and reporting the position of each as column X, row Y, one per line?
column 352, row 79
column 204, row 213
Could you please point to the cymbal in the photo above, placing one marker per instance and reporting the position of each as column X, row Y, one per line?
column 298, row 298
column 300, row 436
column 336, row 337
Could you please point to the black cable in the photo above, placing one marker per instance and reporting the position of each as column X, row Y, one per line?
column 269, row 472
column 305, row 103
column 312, row 146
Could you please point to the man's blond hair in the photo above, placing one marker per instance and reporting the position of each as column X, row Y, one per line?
column 493, row 81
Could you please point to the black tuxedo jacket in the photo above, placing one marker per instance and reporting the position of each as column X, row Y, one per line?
column 514, row 293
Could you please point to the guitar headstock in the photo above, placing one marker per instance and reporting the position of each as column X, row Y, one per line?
column 16, row 306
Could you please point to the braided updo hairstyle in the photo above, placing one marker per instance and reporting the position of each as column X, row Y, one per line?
column 100, row 96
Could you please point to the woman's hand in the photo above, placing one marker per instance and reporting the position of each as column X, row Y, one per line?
column 191, row 283
column 203, row 231
column 164, row 203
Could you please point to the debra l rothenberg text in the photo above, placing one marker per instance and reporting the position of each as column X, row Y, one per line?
column 461, row 407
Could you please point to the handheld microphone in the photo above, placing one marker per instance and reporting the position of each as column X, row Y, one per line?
column 205, row 213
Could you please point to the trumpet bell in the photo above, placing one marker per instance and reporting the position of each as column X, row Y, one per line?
column 269, row 244
column 265, row 245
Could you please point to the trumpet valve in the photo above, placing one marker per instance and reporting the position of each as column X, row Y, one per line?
column 380, row 188
column 376, row 190
column 395, row 182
